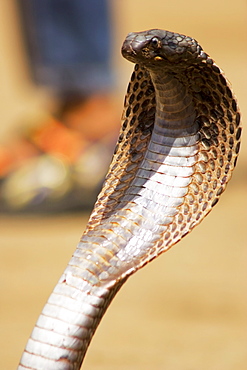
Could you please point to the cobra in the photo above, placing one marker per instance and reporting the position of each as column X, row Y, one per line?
column 178, row 145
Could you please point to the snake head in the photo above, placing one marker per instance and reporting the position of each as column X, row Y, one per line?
column 158, row 48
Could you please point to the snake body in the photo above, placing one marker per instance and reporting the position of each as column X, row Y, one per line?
column 176, row 151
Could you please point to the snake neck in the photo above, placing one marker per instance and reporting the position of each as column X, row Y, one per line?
column 175, row 110
column 144, row 220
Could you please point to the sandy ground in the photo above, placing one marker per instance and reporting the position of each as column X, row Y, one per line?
column 184, row 311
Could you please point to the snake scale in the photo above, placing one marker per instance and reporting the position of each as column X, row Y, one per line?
column 178, row 146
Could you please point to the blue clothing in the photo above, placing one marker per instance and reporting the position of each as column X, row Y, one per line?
column 69, row 43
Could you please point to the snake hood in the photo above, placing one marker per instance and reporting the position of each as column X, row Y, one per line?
column 157, row 48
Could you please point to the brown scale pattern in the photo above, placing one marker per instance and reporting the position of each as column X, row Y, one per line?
column 218, row 118
column 136, row 129
column 219, row 121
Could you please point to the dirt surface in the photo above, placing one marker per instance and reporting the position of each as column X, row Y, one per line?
column 187, row 309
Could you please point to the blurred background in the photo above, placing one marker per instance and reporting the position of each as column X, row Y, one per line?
column 60, row 116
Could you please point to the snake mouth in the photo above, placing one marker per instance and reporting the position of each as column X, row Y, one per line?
column 137, row 53
column 137, row 50
column 128, row 51
column 142, row 48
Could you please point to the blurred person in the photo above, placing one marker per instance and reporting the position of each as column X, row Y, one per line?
column 59, row 164
column 68, row 42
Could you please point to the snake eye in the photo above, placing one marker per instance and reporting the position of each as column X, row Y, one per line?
column 155, row 42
